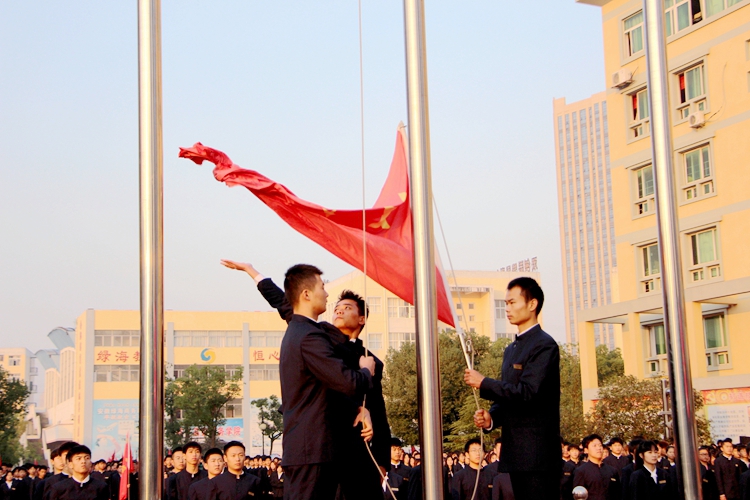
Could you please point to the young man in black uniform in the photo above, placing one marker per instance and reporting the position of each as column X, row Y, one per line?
column 708, row 479
column 526, row 400
column 44, row 490
column 728, row 470
column 600, row 480
column 649, row 482
column 628, row 470
column 396, row 465
column 180, row 487
column 235, row 483
column 205, row 488
column 80, row 485
column 357, row 474
column 462, row 486
column 617, row 458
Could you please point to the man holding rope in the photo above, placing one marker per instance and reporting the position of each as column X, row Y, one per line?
column 526, row 400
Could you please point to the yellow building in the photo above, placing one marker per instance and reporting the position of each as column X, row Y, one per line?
column 22, row 365
column 107, row 370
column 708, row 49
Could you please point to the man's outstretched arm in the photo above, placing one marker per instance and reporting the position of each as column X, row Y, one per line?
column 273, row 294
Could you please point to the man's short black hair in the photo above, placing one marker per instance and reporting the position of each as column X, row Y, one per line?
column 211, row 452
column 55, row 453
column 192, row 444
column 40, row 467
column 178, row 449
column 471, row 442
column 67, row 446
column 726, row 440
column 614, row 440
column 530, row 290
column 77, row 450
column 587, row 440
column 101, row 460
column 298, row 278
column 362, row 308
column 234, row 443
column 396, row 442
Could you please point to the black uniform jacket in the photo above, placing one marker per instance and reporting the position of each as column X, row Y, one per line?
column 602, row 482
column 231, row 487
column 313, row 381
column 277, row 484
column 203, row 489
column 643, row 487
column 17, row 490
column 526, row 403
column 728, row 473
column 180, row 487
column 70, row 489
column 462, row 486
column 618, row 463
column 399, row 487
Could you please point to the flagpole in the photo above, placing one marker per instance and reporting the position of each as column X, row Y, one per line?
column 151, row 422
column 428, row 373
column 680, row 379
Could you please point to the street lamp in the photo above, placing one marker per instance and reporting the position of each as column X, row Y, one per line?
column 263, row 428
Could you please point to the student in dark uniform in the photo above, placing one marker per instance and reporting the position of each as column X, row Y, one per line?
column 314, row 387
column 728, row 471
column 205, row 488
column 526, row 400
column 396, row 466
column 80, row 485
column 501, row 487
column 628, row 470
column 359, row 475
column 394, row 483
column 600, row 480
column 462, row 486
column 617, row 457
column 277, row 482
column 235, row 483
column 178, row 465
column 191, row 474
column 64, row 473
column 708, row 479
column 649, row 482
column 13, row 489
column 569, row 467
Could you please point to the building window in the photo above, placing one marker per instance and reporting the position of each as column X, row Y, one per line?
column 633, row 33
column 398, row 339
column 472, row 318
column 717, row 347
column 398, row 308
column 651, row 278
column 471, row 305
column 704, row 256
column 699, row 181
column 713, row 7
column 232, row 409
column 2, row 357
column 375, row 340
column 681, row 14
column 459, row 306
column 639, row 114
column 14, row 360
column 692, row 91
column 266, row 339
column 117, row 338
column 499, row 309
column 263, row 372
column 375, row 305
column 117, row 373
column 460, row 317
column 644, row 183
column 656, row 363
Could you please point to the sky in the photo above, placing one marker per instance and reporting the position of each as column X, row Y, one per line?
column 275, row 85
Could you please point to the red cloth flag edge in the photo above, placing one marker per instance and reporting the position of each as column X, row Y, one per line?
column 127, row 465
column 388, row 223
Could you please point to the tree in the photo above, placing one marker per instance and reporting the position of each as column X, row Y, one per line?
column 573, row 426
column 609, row 364
column 201, row 394
column 174, row 427
column 630, row 407
column 13, row 396
column 270, row 415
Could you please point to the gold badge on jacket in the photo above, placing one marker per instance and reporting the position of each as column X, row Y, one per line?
column 517, row 366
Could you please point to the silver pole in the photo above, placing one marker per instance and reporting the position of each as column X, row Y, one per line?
column 683, row 413
column 151, row 426
column 428, row 372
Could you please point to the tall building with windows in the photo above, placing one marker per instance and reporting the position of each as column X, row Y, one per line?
column 584, row 194
column 22, row 365
column 708, row 49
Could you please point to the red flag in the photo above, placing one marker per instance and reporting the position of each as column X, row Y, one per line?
column 388, row 222
column 127, row 468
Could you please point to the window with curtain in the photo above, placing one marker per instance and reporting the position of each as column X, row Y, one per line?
column 704, row 255
column 713, row 7
column 717, row 344
column 656, row 363
column 633, row 32
column 698, row 180
column 644, row 190
column 651, row 268
column 681, row 14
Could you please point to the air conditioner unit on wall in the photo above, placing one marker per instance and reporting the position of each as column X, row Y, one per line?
column 697, row 119
column 622, row 78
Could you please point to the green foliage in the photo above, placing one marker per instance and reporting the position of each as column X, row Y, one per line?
column 630, row 407
column 269, row 414
column 201, row 395
column 33, row 453
column 458, row 403
column 13, row 396
column 609, row 364
column 174, row 434
column 573, row 426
